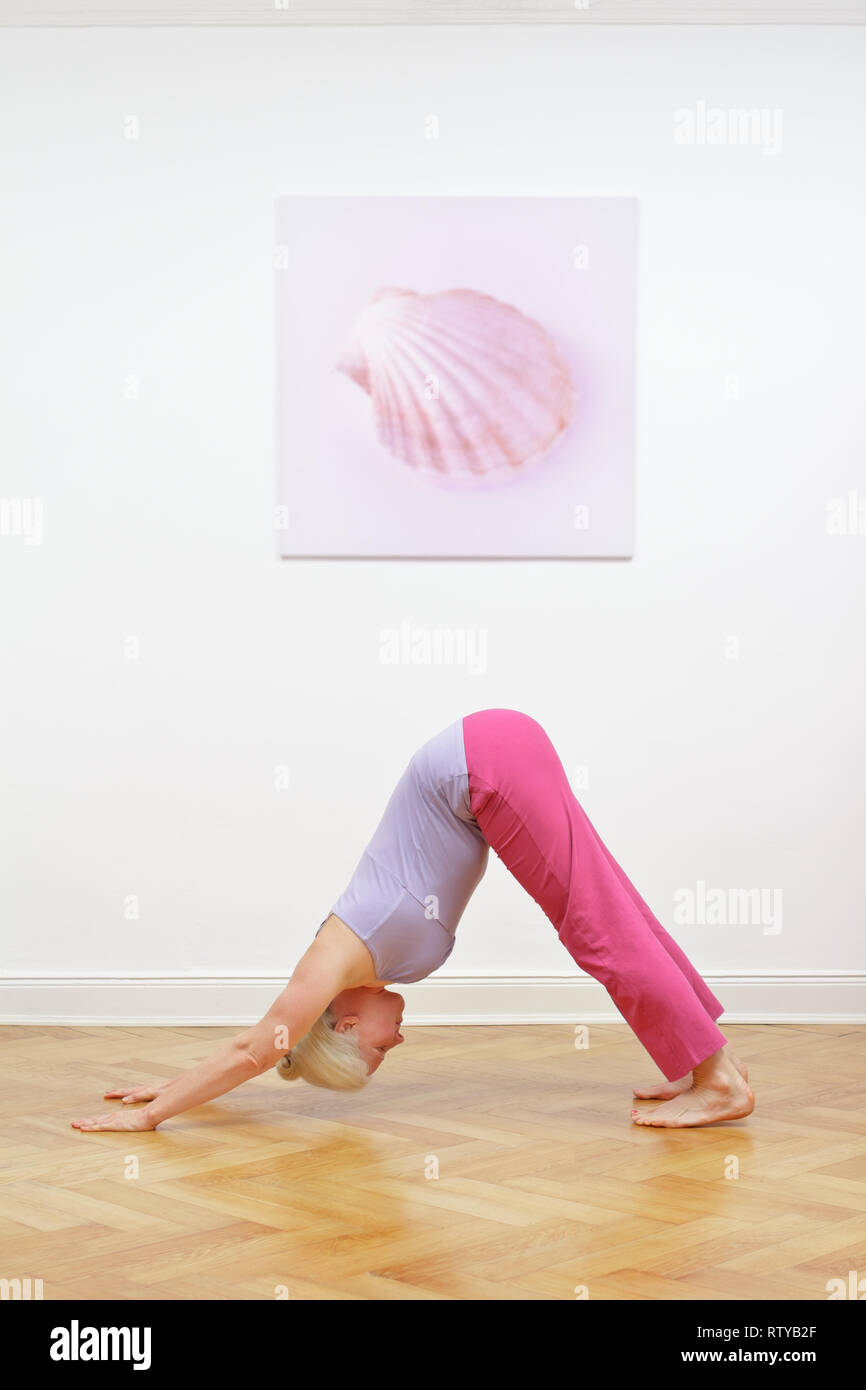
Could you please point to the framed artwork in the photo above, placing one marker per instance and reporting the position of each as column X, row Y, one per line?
column 455, row 376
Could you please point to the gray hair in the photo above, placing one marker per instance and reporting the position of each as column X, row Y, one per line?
column 323, row 1057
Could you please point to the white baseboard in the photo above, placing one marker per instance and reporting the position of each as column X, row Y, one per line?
column 835, row 997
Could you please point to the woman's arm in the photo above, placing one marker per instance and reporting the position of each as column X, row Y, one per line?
column 316, row 981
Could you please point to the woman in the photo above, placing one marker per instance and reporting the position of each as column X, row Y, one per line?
column 494, row 779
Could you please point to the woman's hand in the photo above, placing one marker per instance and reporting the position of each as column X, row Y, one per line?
column 249, row 1054
column 117, row 1119
column 131, row 1093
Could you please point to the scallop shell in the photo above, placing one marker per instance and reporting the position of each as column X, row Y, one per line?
column 465, row 389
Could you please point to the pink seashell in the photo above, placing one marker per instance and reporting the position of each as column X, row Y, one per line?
column 465, row 389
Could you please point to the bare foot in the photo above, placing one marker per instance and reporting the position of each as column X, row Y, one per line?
column 718, row 1092
column 666, row 1090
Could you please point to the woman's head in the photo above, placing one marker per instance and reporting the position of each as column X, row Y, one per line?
column 348, row 1042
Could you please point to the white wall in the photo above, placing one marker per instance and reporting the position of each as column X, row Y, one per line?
column 152, row 258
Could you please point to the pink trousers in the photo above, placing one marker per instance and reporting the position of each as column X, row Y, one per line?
column 523, row 803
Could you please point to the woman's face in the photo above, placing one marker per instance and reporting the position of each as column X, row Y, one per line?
column 374, row 1016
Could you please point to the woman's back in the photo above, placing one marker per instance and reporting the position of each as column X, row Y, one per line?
column 422, row 865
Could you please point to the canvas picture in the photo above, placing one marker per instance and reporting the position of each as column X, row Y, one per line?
column 455, row 376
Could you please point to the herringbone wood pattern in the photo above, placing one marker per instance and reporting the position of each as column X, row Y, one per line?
column 543, row 1184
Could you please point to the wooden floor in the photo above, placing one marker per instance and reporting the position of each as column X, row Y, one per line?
column 544, row 1186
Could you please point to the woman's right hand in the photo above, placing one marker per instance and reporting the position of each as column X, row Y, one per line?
column 133, row 1093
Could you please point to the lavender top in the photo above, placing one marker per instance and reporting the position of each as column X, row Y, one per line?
column 425, row 860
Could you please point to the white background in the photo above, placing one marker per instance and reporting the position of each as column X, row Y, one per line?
column 152, row 259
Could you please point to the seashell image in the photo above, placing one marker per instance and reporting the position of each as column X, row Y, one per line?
column 465, row 390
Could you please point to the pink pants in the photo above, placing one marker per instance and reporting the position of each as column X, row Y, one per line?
column 520, row 796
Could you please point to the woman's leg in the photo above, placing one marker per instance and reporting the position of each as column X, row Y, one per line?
column 524, row 805
column 666, row 1090
column 712, row 1005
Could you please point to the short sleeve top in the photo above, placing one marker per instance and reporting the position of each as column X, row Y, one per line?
column 418, row 872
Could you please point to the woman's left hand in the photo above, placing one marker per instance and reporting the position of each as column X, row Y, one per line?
column 117, row 1119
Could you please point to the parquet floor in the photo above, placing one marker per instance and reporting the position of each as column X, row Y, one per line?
column 545, row 1190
